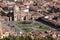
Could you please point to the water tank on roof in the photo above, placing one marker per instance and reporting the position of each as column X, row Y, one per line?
column 46, row 17
column 28, row 7
column 26, row 10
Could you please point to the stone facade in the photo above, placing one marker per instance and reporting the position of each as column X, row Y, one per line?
column 16, row 13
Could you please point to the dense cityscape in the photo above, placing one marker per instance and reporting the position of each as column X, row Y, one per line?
column 29, row 19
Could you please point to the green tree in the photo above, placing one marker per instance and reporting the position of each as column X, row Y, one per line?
column 21, row 38
column 47, row 38
column 36, row 38
column 28, row 38
column 8, row 38
column 17, row 38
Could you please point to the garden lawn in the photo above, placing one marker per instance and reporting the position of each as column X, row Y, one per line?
column 27, row 29
column 21, row 25
column 42, row 26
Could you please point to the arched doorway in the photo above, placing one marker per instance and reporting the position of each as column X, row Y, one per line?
column 25, row 18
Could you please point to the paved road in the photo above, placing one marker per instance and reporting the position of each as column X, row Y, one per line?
column 12, row 26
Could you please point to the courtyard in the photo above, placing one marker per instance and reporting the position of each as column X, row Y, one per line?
column 30, row 26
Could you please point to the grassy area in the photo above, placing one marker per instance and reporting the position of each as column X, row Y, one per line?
column 42, row 30
column 37, row 24
column 27, row 29
column 21, row 25
column 42, row 26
